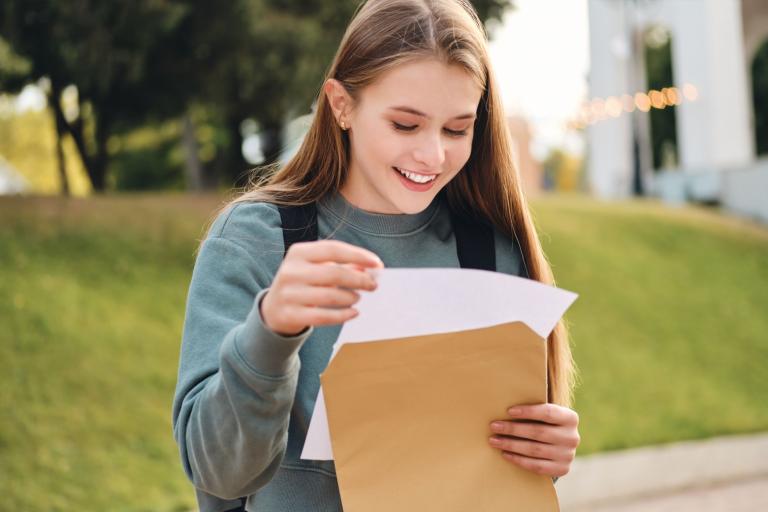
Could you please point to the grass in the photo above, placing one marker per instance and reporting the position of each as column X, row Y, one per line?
column 669, row 331
column 91, row 303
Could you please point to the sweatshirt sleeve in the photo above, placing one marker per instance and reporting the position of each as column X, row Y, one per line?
column 237, row 378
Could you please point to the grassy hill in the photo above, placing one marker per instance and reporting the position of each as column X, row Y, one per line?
column 670, row 332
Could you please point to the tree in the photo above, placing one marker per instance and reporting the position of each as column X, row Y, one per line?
column 110, row 51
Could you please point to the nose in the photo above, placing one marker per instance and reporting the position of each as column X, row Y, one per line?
column 430, row 152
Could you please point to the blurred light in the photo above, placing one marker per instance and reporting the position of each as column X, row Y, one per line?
column 628, row 102
column 598, row 109
column 642, row 102
column 32, row 97
column 613, row 106
column 657, row 99
column 690, row 92
column 657, row 36
column 251, row 150
column 671, row 96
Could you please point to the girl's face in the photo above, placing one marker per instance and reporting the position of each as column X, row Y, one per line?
column 410, row 133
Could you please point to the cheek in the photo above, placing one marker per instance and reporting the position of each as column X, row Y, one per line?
column 459, row 154
column 381, row 146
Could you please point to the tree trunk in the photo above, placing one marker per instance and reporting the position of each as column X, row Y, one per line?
column 193, row 170
column 54, row 100
column 101, row 159
column 75, row 129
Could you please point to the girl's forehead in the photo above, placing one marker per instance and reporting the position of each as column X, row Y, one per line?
column 427, row 86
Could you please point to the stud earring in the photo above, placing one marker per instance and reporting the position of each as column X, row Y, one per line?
column 343, row 125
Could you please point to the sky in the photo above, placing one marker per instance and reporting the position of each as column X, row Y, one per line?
column 541, row 58
column 540, row 53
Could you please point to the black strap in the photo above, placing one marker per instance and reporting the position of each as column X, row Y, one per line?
column 299, row 224
column 474, row 243
column 474, row 239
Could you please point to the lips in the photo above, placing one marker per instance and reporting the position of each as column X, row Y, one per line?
column 414, row 185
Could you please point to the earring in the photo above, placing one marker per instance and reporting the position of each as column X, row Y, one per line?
column 343, row 126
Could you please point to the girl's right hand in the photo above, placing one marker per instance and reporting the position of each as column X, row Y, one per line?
column 315, row 285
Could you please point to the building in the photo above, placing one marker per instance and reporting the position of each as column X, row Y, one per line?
column 714, row 150
column 530, row 169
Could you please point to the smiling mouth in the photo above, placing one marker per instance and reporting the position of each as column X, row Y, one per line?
column 416, row 177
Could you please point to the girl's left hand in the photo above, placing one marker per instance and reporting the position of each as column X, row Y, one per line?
column 546, row 448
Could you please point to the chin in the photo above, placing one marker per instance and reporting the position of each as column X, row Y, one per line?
column 414, row 206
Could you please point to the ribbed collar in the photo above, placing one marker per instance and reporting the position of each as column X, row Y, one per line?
column 378, row 223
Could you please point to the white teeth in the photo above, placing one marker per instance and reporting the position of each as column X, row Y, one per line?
column 417, row 178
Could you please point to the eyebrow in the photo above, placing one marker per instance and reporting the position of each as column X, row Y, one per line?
column 410, row 110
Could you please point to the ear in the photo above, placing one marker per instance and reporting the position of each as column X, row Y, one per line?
column 339, row 100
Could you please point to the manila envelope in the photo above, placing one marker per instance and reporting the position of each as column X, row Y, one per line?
column 409, row 421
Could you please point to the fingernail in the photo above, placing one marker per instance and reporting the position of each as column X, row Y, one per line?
column 514, row 411
column 497, row 425
column 494, row 441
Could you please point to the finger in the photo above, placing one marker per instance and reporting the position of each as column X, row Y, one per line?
column 548, row 413
column 335, row 251
column 331, row 275
column 538, row 466
column 533, row 449
column 324, row 296
column 325, row 316
column 542, row 432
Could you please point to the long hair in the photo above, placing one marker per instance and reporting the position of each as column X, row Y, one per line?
column 387, row 33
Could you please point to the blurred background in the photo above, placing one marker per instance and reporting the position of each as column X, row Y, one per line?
column 640, row 130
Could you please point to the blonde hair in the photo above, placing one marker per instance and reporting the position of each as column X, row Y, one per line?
column 387, row 33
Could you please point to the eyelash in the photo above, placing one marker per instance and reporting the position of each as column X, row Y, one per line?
column 452, row 133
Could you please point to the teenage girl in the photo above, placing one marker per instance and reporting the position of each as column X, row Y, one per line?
column 409, row 127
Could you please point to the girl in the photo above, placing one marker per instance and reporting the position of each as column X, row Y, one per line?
column 409, row 133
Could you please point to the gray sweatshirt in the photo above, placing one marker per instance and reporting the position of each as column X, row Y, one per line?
column 245, row 394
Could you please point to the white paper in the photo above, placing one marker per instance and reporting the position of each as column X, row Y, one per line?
column 415, row 302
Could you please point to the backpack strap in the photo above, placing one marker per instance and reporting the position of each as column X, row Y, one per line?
column 299, row 224
column 475, row 244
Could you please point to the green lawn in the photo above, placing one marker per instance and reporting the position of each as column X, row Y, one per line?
column 670, row 332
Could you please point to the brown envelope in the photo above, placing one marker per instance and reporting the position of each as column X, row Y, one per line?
column 409, row 421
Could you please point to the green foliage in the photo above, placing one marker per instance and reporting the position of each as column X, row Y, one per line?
column 148, row 158
column 13, row 68
column 562, row 170
column 669, row 333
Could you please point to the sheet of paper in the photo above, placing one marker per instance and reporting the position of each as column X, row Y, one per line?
column 412, row 302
